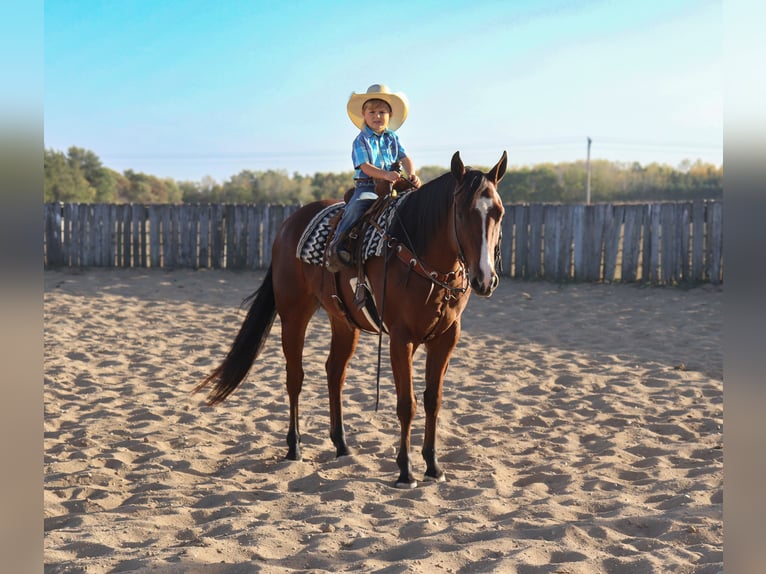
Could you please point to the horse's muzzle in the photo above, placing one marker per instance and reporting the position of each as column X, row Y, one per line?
column 485, row 288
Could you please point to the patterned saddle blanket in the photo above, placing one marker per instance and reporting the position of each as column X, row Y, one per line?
column 311, row 246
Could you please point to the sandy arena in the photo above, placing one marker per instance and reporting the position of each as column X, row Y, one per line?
column 581, row 432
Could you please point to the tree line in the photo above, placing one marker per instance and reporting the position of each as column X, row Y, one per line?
column 78, row 176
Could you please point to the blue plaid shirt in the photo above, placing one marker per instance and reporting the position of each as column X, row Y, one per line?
column 379, row 150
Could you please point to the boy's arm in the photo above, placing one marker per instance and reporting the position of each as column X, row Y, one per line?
column 378, row 173
column 409, row 167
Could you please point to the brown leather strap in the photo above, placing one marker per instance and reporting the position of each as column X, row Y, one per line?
column 410, row 260
column 407, row 257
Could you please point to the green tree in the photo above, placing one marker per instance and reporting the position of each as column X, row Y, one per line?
column 331, row 185
column 430, row 172
column 239, row 188
column 274, row 186
column 64, row 181
column 79, row 176
column 545, row 184
column 101, row 179
column 572, row 181
column 143, row 188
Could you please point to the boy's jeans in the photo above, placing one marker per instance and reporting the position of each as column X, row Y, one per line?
column 363, row 197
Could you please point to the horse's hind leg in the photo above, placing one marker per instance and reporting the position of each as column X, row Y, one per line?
column 294, row 323
column 439, row 352
column 342, row 347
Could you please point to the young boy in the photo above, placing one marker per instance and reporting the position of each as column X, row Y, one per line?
column 377, row 113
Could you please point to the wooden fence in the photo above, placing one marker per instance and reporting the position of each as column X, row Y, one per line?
column 659, row 243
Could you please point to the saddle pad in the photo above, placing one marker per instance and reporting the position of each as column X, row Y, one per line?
column 312, row 243
column 314, row 238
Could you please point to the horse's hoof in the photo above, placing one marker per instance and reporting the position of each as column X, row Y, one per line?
column 406, row 485
column 441, row 477
column 296, row 456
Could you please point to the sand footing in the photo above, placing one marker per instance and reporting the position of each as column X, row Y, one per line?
column 581, row 432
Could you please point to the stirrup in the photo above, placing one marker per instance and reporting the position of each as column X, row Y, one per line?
column 360, row 294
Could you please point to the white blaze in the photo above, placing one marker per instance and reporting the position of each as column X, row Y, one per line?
column 483, row 205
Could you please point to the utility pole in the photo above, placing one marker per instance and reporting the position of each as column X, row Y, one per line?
column 587, row 181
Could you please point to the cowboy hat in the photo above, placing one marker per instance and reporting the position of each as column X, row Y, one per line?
column 397, row 101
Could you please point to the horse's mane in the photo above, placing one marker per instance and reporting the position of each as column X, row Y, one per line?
column 423, row 212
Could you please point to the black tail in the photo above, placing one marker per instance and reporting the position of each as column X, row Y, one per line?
column 246, row 346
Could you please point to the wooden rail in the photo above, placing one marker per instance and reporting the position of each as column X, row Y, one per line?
column 659, row 243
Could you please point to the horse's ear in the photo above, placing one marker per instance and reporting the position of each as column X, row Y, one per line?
column 458, row 169
column 497, row 172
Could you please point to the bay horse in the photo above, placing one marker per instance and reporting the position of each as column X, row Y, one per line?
column 442, row 245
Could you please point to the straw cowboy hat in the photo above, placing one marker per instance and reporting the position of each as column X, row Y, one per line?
column 397, row 101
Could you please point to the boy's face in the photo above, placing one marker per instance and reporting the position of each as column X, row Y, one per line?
column 376, row 116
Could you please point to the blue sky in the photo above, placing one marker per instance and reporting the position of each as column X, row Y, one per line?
column 185, row 89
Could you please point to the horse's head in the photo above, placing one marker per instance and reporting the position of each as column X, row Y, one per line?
column 478, row 215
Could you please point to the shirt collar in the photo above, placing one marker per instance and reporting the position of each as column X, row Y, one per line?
column 368, row 131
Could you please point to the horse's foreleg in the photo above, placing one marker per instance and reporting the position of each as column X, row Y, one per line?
column 438, row 354
column 293, row 433
column 401, row 365
column 342, row 347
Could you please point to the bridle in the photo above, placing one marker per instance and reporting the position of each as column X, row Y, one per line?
column 460, row 252
column 499, row 254
column 404, row 252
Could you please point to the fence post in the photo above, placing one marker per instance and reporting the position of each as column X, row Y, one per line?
column 613, row 215
column 521, row 257
column 684, row 239
column 715, row 229
column 565, row 224
column 506, row 245
column 698, row 240
column 654, row 243
column 54, row 251
column 631, row 246
column 667, row 244
column 535, row 240
column 253, row 237
column 593, row 241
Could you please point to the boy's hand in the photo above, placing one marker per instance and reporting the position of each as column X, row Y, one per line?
column 415, row 180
